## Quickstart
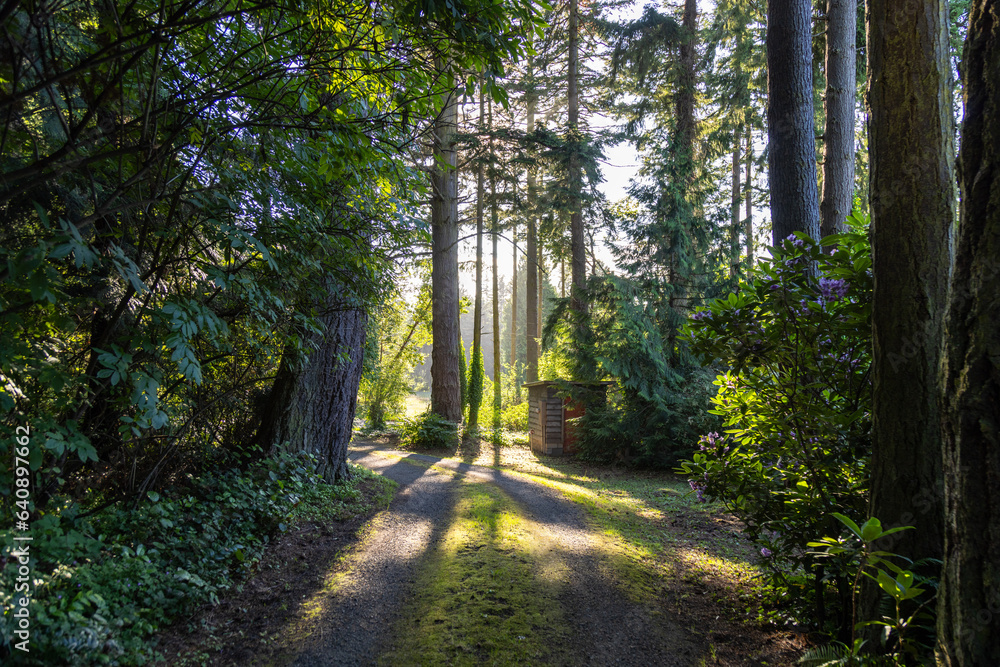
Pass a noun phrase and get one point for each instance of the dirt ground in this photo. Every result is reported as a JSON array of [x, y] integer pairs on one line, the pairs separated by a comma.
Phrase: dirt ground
[[344, 593]]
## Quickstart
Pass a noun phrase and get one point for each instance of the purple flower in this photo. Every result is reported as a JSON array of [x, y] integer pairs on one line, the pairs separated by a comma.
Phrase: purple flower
[[765, 552], [798, 243], [832, 289], [700, 315]]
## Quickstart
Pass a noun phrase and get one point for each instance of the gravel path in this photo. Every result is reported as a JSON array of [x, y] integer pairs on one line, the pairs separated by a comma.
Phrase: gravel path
[[607, 628]]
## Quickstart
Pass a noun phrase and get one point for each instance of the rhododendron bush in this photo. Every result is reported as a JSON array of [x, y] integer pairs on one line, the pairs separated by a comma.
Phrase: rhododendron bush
[[795, 404]]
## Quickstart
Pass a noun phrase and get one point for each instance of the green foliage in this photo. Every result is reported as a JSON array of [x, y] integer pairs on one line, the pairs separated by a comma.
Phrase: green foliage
[[795, 404], [515, 417], [429, 431], [661, 399], [396, 333], [98, 599], [856, 554], [477, 382], [463, 374]]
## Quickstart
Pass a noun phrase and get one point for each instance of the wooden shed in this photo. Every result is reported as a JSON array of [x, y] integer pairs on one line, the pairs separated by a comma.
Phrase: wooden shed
[[548, 432]]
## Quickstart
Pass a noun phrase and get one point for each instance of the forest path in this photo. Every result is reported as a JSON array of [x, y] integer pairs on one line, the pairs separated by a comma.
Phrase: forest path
[[472, 565]]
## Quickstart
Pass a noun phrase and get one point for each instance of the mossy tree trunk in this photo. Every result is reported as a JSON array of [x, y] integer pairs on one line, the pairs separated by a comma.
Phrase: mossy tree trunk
[[311, 406]]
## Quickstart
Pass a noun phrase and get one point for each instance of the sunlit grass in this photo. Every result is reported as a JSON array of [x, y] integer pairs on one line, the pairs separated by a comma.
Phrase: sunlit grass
[[484, 596]]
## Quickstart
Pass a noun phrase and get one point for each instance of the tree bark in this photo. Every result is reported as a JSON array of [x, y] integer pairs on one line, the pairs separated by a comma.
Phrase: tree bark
[[969, 600], [838, 160], [912, 187], [477, 314], [446, 399], [495, 226], [734, 230], [311, 408], [513, 316], [578, 249], [791, 137], [531, 282]]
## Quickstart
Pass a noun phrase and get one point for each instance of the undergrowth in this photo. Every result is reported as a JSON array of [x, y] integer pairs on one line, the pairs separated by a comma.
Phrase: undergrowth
[[104, 584]]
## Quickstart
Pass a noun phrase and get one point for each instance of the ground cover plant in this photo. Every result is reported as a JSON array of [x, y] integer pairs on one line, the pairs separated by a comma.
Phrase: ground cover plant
[[107, 581]]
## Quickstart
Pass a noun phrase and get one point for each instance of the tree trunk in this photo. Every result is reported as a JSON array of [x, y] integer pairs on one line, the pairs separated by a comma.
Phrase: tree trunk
[[969, 601], [531, 282], [734, 249], [311, 408], [687, 83], [477, 314], [578, 249], [838, 160], [791, 138], [513, 317], [749, 198], [912, 188], [446, 399], [495, 226]]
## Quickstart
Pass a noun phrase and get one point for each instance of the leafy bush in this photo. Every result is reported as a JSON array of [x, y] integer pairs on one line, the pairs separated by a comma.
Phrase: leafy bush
[[98, 599], [650, 433], [515, 418], [795, 405], [429, 431]]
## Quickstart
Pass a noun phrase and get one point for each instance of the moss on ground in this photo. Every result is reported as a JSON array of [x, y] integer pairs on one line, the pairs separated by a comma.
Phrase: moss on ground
[[486, 595]]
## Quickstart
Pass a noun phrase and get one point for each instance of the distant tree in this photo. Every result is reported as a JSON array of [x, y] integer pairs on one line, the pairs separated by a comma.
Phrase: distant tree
[[838, 137]]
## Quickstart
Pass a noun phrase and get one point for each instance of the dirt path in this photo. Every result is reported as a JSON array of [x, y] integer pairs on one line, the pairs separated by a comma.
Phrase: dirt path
[[357, 619]]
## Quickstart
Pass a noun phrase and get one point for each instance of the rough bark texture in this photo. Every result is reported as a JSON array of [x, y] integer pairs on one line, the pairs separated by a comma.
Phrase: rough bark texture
[[578, 247], [791, 157], [311, 409], [912, 194], [446, 399], [838, 159], [531, 279], [969, 602]]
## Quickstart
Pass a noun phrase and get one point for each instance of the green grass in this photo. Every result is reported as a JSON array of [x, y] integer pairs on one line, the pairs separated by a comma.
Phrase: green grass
[[482, 597]]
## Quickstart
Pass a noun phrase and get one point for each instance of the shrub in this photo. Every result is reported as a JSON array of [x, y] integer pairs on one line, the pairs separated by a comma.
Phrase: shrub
[[795, 404], [429, 431], [515, 418]]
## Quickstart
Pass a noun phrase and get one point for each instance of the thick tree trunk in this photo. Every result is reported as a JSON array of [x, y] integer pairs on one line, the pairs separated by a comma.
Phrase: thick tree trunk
[[969, 601], [912, 188], [311, 407], [446, 399], [578, 248], [838, 160], [791, 137]]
